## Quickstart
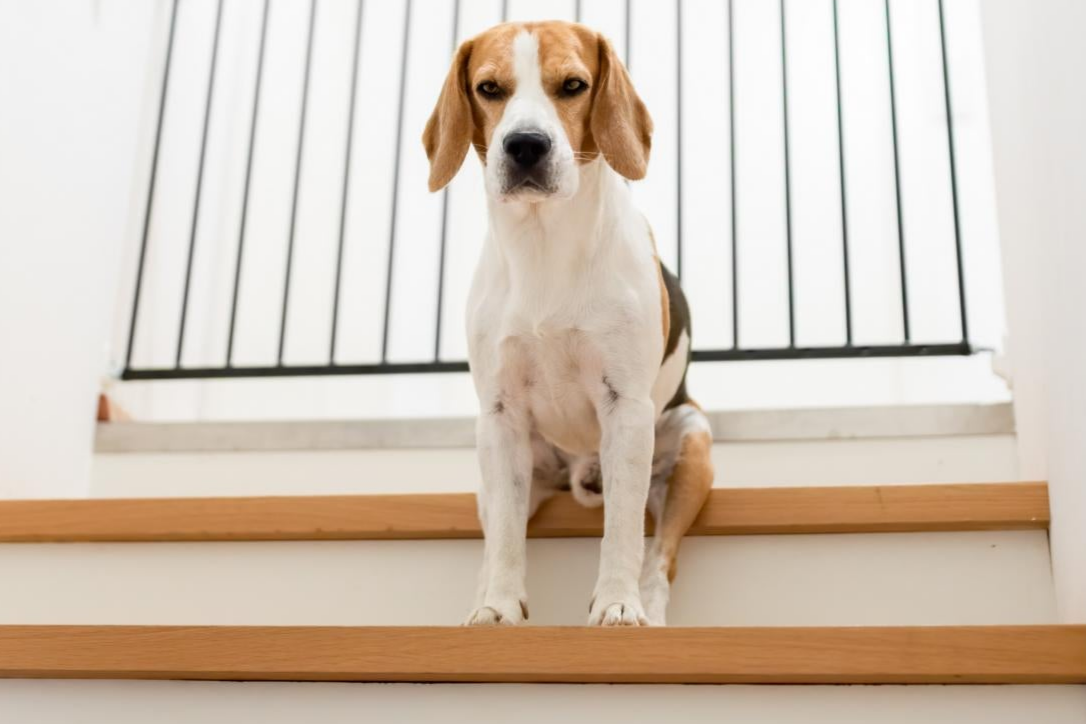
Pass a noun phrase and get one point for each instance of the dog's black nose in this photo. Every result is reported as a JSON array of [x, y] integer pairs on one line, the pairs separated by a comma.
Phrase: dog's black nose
[[526, 148]]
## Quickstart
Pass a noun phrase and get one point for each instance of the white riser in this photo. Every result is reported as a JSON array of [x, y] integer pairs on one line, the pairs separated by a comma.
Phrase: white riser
[[952, 459], [82, 702], [999, 577]]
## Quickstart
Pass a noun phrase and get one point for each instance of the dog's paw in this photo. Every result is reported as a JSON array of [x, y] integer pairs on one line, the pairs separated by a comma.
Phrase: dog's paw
[[610, 612], [654, 597], [499, 614], [655, 592]]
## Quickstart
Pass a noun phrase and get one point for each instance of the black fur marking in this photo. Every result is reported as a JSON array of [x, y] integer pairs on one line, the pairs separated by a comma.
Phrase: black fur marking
[[612, 394], [680, 322], [498, 408]]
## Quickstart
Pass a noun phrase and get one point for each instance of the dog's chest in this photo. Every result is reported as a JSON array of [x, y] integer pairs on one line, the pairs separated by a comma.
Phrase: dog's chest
[[558, 383]]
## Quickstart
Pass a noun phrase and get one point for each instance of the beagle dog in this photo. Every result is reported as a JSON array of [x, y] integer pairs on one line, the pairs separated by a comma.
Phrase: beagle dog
[[578, 337]]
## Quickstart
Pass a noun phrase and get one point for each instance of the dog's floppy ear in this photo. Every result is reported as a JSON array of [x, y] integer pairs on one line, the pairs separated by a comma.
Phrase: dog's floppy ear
[[620, 122], [448, 132]]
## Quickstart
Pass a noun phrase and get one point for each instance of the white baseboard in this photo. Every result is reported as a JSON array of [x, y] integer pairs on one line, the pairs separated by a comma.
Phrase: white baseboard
[[839, 423]]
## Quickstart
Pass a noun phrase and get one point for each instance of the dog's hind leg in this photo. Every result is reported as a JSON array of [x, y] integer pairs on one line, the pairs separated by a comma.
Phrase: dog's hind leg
[[682, 478]]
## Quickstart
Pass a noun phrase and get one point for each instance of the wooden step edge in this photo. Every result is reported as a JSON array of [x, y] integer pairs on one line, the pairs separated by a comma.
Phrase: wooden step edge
[[734, 511], [896, 655]]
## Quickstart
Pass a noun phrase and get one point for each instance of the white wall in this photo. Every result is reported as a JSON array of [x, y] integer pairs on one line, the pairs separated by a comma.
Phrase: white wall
[[893, 460], [1036, 59], [73, 88], [184, 702], [877, 579]]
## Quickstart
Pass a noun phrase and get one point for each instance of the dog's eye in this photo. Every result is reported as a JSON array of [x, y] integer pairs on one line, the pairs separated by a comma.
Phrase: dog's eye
[[573, 86], [490, 89]]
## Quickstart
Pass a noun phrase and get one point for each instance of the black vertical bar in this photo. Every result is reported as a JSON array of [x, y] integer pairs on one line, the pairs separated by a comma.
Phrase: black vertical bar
[[897, 177], [731, 141], [505, 10], [445, 218], [199, 184], [396, 178], [679, 139], [953, 175], [577, 11], [151, 189], [787, 181], [245, 191], [346, 180], [297, 178], [841, 173]]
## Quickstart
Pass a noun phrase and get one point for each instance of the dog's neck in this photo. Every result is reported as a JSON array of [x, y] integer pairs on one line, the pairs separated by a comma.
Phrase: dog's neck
[[558, 238]]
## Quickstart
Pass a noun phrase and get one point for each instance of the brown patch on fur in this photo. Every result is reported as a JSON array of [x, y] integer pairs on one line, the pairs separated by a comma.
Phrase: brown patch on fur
[[566, 51], [608, 118], [665, 311], [621, 125], [449, 130], [687, 489], [665, 315], [679, 317], [491, 61]]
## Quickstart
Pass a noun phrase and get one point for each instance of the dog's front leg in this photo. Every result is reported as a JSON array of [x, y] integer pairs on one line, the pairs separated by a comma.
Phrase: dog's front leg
[[626, 459], [505, 459]]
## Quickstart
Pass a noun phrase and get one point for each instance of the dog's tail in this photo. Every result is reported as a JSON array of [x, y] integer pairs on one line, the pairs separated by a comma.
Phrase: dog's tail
[[585, 481]]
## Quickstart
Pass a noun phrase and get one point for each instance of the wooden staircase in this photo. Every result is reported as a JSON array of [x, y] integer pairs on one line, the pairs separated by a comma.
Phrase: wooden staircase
[[1012, 654]]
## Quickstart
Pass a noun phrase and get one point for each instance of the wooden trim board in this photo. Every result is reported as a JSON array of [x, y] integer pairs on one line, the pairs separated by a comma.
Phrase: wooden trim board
[[902, 655], [734, 511]]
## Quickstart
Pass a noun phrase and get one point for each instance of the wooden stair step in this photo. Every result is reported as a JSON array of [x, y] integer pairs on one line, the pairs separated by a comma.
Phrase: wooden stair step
[[734, 511], [894, 655]]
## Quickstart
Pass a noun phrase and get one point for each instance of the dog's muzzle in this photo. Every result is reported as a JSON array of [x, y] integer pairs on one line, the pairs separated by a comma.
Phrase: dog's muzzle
[[528, 162]]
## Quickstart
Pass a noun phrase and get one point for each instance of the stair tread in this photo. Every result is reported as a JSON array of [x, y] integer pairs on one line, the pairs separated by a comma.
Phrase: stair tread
[[729, 511], [816, 655]]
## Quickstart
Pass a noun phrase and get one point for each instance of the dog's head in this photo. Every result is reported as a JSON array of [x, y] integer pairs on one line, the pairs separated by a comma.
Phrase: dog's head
[[537, 100]]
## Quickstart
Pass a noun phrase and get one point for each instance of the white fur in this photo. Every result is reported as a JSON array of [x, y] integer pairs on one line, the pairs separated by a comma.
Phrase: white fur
[[564, 335]]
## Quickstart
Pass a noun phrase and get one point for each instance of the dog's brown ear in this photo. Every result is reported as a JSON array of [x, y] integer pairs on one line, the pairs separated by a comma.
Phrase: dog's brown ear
[[448, 132], [620, 122]]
